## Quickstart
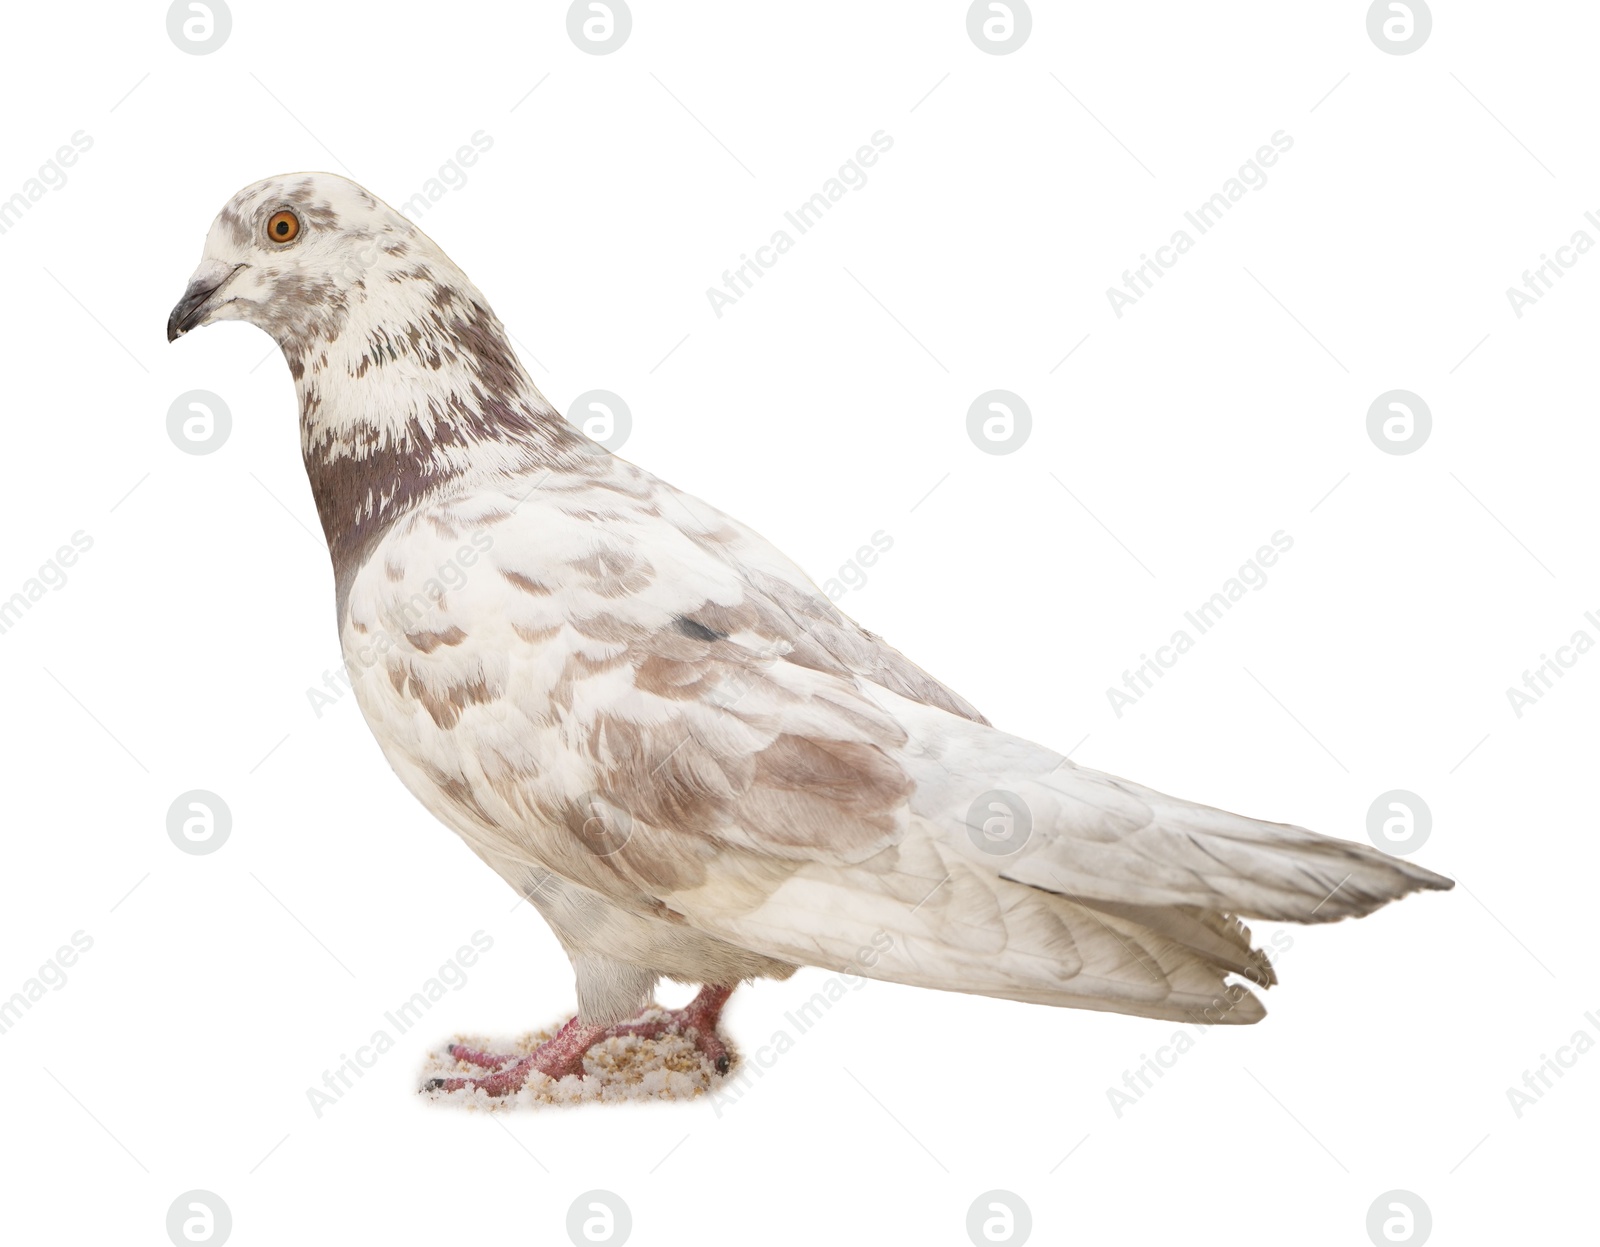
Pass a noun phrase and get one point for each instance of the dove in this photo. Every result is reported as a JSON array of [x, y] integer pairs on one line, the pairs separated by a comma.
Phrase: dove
[[655, 728]]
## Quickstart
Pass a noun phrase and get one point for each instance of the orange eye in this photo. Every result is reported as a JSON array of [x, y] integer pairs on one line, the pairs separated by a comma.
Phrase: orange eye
[[283, 227]]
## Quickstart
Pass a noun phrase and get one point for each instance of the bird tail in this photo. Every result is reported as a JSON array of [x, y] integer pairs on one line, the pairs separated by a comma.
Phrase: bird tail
[[1149, 850], [1171, 895], [1023, 876]]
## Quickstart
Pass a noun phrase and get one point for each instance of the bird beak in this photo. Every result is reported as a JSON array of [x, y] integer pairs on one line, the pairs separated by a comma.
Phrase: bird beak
[[198, 300]]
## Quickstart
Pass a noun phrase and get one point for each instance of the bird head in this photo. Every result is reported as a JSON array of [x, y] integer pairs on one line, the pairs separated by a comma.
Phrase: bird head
[[405, 376], [297, 254]]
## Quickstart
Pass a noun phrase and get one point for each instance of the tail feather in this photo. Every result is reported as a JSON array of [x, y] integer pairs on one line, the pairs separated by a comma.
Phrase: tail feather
[[1021, 875], [1218, 938], [1064, 951], [1108, 840]]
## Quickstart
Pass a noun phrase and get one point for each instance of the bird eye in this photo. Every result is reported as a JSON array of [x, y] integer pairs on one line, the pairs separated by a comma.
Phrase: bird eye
[[283, 227]]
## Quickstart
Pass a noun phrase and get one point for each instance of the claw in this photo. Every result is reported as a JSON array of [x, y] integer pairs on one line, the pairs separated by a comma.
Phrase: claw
[[562, 1055], [504, 1082], [555, 1058], [483, 1060], [696, 1022]]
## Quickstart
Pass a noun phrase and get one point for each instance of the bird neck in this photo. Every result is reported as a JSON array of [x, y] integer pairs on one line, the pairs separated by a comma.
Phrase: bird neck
[[395, 414]]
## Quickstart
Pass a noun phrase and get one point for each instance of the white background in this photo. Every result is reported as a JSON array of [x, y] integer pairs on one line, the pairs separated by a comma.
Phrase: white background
[[1223, 407]]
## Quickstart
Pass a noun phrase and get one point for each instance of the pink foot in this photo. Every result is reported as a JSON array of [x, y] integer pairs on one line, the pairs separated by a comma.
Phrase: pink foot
[[563, 1054], [697, 1020], [554, 1058]]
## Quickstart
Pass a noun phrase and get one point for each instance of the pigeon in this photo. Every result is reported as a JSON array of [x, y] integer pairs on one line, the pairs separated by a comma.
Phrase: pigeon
[[653, 726]]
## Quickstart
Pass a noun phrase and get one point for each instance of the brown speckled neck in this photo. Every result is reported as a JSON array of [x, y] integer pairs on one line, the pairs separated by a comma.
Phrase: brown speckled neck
[[366, 474]]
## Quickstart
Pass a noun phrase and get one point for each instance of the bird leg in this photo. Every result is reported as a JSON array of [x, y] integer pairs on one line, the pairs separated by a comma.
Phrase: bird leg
[[697, 1020], [554, 1058], [563, 1054]]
